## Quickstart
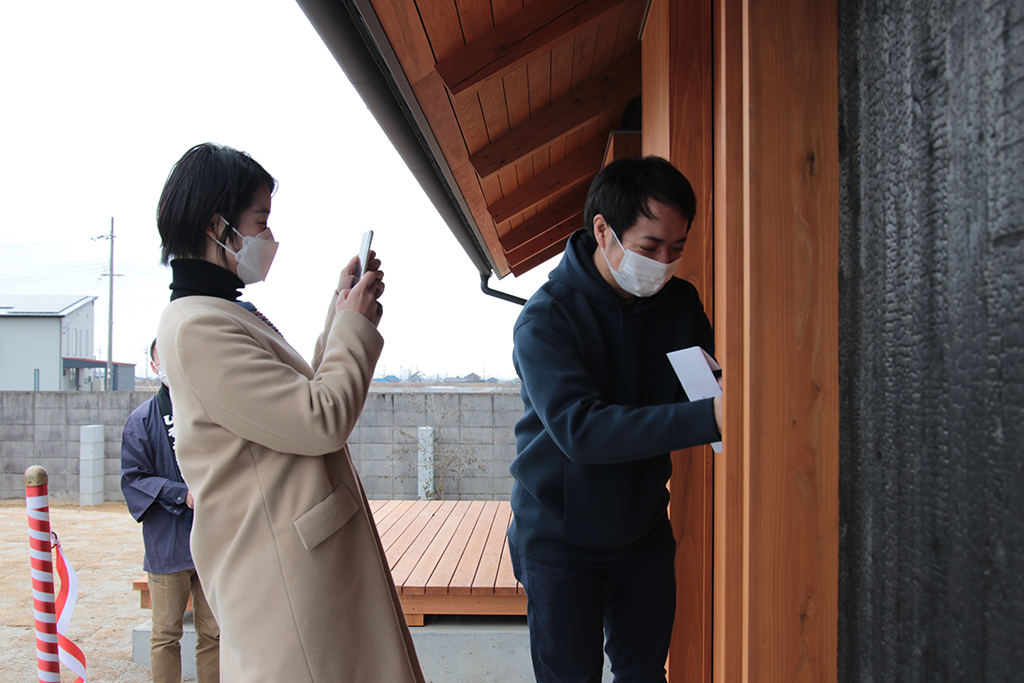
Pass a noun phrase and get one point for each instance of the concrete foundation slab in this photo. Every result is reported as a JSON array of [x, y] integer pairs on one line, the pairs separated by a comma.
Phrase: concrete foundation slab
[[451, 649]]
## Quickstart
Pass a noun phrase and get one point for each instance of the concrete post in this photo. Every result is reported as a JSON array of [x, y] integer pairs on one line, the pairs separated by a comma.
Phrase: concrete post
[[426, 461], [90, 465]]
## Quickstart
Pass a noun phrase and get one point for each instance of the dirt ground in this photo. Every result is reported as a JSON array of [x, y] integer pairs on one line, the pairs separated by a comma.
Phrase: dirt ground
[[104, 544]]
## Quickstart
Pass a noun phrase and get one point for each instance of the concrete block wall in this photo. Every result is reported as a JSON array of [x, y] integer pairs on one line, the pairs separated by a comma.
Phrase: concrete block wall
[[42, 428], [473, 431], [474, 442]]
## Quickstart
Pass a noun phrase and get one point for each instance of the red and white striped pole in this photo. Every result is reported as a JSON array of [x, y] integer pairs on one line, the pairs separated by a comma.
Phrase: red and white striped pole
[[37, 503]]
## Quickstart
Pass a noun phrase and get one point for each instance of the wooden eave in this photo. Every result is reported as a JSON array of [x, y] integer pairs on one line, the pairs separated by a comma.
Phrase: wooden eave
[[514, 102]]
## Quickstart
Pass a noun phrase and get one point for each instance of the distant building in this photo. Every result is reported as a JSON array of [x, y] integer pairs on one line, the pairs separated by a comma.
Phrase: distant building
[[46, 344]]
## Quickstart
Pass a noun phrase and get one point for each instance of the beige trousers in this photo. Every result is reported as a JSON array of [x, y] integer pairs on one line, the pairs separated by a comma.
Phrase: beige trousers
[[169, 594]]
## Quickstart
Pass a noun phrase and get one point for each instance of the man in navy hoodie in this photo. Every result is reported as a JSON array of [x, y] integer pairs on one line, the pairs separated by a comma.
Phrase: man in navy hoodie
[[590, 540]]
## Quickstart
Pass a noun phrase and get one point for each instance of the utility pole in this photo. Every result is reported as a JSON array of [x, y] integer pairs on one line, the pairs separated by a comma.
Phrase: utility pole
[[108, 384], [110, 315]]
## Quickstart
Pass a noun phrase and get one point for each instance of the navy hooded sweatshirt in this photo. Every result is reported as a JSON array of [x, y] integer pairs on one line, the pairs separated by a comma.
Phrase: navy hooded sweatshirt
[[603, 411]]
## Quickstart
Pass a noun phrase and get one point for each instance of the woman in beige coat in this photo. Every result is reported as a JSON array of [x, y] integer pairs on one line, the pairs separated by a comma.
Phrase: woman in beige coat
[[283, 540]]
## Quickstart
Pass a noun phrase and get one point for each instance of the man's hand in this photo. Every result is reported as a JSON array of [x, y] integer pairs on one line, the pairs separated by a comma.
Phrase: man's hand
[[189, 500], [362, 297]]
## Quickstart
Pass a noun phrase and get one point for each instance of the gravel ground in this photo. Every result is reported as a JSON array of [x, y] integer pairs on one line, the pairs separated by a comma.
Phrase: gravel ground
[[104, 544]]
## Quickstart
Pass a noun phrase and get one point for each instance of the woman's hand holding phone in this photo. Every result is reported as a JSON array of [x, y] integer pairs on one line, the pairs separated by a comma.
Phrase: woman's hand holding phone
[[362, 297]]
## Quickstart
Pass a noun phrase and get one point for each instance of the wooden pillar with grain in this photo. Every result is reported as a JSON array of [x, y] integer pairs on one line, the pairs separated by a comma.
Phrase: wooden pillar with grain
[[677, 125], [776, 171]]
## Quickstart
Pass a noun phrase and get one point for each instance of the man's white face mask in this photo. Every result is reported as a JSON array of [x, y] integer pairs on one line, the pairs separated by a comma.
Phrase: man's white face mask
[[255, 256], [637, 274], [161, 374]]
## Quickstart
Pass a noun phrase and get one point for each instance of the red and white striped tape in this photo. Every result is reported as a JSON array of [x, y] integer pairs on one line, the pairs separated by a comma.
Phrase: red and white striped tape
[[51, 616], [71, 655]]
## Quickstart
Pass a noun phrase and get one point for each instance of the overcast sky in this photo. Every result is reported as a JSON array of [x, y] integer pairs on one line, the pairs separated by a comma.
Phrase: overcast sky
[[100, 99]]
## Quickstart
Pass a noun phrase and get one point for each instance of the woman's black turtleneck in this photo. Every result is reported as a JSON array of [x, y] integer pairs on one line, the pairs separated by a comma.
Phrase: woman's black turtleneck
[[195, 277]]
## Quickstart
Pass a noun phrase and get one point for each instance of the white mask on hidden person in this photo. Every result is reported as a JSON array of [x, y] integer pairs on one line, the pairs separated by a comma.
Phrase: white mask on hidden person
[[161, 374], [637, 274], [255, 256]]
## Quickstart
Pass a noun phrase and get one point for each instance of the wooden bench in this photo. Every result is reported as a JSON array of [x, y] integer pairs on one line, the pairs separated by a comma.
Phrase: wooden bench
[[446, 557]]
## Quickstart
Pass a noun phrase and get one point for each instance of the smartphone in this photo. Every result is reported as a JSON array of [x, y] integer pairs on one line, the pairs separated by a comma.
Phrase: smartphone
[[364, 254]]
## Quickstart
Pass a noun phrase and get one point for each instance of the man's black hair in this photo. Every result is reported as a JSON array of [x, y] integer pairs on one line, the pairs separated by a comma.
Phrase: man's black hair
[[623, 190], [209, 179], [152, 348]]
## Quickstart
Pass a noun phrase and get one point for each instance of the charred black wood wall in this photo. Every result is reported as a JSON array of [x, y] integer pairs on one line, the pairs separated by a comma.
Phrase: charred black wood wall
[[931, 340]]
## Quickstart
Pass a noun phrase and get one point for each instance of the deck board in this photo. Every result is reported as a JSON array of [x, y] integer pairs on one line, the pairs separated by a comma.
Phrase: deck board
[[462, 580], [450, 557], [441, 577], [487, 572], [424, 539], [416, 582], [446, 557]]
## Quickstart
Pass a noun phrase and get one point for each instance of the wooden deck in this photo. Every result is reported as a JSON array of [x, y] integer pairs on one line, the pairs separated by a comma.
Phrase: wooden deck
[[447, 557]]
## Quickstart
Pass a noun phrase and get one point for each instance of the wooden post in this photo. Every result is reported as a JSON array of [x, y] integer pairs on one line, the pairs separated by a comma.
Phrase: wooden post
[[776, 237], [677, 111]]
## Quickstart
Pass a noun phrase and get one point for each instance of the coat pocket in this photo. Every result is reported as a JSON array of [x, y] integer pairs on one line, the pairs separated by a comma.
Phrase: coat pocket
[[323, 519]]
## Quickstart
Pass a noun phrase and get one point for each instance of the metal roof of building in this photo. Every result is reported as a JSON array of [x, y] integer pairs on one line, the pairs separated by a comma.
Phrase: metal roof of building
[[42, 305]]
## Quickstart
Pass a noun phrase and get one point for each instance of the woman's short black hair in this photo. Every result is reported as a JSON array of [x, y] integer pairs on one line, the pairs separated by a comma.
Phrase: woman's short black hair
[[209, 179], [624, 188]]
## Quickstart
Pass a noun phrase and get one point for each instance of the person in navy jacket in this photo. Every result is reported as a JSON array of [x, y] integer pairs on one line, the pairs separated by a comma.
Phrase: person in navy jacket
[[157, 497], [590, 539]]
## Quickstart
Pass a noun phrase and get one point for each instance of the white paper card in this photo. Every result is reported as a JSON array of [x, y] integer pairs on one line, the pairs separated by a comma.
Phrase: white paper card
[[696, 372]]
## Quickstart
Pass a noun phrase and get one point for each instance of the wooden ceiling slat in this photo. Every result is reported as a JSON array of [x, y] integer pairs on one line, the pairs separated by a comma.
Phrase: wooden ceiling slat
[[556, 234], [533, 30], [494, 109], [517, 96], [524, 173], [561, 71], [400, 19], [476, 20], [604, 48], [581, 164], [508, 180], [440, 19], [554, 248], [541, 161], [538, 73], [628, 38], [491, 187], [471, 121], [504, 9], [560, 210], [574, 140], [607, 91], [584, 47]]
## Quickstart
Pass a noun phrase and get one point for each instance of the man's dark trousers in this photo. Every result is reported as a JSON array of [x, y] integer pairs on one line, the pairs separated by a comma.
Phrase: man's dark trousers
[[573, 609]]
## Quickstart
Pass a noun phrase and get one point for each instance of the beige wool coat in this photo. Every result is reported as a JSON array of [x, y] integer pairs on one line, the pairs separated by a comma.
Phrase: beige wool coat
[[283, 540]]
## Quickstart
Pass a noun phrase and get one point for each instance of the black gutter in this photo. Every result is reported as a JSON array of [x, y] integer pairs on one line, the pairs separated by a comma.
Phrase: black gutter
[[343, 30], [504, 296]]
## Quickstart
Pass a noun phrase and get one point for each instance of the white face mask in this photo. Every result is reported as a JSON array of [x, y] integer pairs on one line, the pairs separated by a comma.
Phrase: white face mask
[[161, 374], [637, 274], [255, 256]]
